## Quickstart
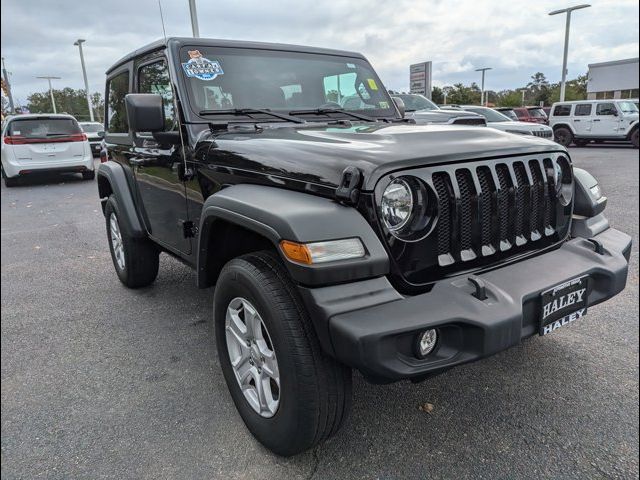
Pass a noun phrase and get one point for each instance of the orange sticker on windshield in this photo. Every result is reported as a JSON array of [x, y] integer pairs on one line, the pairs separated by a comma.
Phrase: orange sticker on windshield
[[372, 84]]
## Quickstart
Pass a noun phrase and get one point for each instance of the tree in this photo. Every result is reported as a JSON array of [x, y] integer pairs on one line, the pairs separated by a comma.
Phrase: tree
[[462, 95], [68, 100], [539, 89], [509, 98], [437, 95]]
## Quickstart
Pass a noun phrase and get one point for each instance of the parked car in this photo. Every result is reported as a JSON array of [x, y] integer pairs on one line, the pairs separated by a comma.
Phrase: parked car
[[339, 239], [424, 111], [94, 132], [500, 121], [531, 114], [38, 143], [508, 112], [583, 121]]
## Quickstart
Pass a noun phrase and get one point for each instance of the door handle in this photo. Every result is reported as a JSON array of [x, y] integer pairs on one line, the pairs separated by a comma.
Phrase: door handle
[[596, 119], [576, 120]]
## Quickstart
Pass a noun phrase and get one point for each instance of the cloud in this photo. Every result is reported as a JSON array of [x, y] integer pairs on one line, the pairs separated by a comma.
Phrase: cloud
[[516, 38]]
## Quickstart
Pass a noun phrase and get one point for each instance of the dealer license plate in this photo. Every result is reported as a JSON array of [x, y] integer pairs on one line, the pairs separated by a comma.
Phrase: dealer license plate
[[564, 304]]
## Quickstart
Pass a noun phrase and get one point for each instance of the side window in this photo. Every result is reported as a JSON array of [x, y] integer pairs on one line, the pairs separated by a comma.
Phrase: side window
[[583, 109], [154, 78], [562, 111], [116, 112], [605, 109]]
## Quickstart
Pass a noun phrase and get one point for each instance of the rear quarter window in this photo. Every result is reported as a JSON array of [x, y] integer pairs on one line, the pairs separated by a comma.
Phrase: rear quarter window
[[562, 110]]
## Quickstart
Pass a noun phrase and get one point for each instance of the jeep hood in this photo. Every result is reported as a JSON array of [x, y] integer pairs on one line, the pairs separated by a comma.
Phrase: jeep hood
[[319, 153]]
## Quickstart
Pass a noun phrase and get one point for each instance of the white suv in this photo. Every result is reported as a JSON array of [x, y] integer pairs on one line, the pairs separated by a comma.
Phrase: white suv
[[44, 143], [598, 120]]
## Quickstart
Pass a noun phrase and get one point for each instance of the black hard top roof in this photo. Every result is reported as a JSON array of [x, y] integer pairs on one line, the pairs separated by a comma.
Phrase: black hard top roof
[[212, 42]]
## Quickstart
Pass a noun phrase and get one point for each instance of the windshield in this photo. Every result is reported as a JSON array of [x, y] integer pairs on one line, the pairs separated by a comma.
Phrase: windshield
[[489, 114], [43, 127], [417, 102], [221, 78], [92, 127], [537, 113], [509, 113], [628, 107]]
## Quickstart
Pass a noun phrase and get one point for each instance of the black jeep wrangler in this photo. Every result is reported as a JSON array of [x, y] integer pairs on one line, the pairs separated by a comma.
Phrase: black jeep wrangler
[[339, 238]]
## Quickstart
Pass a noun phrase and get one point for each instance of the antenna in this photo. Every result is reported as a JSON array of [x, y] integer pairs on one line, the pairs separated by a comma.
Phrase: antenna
[[164, 32]]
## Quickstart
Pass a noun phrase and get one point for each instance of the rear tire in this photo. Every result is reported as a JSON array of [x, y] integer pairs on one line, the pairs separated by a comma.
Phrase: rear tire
[[563, 136], [635, 138], [89, 175], [314, 392], [136, 260], [581, 143], [10, 182]]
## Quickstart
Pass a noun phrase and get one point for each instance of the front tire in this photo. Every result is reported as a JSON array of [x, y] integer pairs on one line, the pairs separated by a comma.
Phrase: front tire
[[563, 136], [89, 175], [136, 260], [311, 396], [635, 138]]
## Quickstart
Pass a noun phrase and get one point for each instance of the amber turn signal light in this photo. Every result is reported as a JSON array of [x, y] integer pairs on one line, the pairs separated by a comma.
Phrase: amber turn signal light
[[296, 252]]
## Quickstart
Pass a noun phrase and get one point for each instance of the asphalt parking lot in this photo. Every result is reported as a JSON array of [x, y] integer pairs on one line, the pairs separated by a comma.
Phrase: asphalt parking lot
[[100, 381]]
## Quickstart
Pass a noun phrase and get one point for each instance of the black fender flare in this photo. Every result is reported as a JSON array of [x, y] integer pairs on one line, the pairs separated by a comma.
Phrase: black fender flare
[[278, 214], [115, 175], [564, 125]]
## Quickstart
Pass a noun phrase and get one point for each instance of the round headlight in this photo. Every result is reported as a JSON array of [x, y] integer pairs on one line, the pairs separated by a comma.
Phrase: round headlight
[[563, 181], [397, 204]]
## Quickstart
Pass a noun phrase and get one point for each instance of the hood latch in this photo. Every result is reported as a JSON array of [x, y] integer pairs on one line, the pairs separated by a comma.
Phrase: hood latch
[[349, 189]]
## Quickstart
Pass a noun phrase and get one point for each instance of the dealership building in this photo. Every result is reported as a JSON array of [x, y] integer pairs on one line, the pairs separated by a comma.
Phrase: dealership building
[[617, 79]]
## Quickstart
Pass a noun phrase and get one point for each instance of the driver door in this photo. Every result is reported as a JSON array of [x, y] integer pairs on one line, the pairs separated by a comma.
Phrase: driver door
[[159, 169]]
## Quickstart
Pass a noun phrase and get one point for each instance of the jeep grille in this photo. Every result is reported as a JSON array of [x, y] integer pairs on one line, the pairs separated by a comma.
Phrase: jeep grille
[[544, 133], [488, 211]]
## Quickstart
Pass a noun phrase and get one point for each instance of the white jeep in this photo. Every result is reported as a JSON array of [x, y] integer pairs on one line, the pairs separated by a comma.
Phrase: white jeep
[[583, 121]]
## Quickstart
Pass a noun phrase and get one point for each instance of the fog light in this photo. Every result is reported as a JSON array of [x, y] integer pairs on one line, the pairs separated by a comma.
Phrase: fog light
[[427, 342]]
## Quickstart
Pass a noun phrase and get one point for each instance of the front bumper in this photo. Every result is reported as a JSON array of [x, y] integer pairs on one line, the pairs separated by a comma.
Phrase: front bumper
[[369, 326]]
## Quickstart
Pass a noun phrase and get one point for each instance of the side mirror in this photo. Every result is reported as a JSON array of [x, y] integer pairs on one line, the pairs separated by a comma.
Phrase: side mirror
[[145, 112], [100, 134], [399, 105]]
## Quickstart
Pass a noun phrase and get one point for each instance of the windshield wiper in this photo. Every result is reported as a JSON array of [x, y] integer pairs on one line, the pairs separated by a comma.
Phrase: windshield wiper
[[249, 111], [324, 111]]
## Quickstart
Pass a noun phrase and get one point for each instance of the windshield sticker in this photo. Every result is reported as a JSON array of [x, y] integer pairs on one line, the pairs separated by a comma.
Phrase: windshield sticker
[[383, 104], [200, 67], [351, 65], [372, 84]]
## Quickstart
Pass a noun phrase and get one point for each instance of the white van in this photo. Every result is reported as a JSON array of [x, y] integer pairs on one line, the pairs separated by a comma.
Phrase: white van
[[583, 121], [44, 143]]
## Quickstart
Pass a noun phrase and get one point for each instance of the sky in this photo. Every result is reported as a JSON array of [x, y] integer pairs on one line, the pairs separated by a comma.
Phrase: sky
[[516, 38]]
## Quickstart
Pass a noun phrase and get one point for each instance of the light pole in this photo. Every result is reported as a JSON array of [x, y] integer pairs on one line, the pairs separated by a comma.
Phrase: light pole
[[484, 69], [49, 78], [8, 87], [194, 19], [566, 43], [523, 90], [78, 43]]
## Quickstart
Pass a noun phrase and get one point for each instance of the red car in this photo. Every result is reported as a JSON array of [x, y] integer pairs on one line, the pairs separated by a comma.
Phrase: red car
[[531, 114]]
